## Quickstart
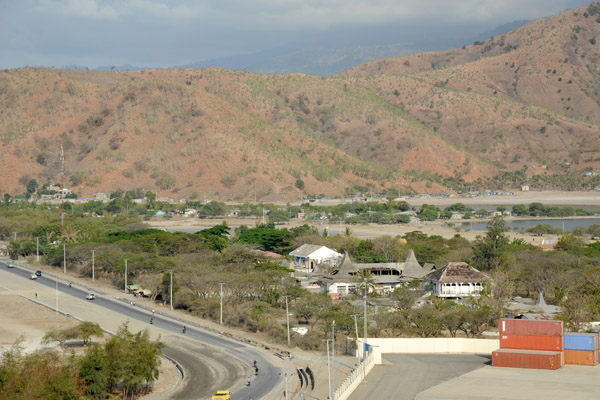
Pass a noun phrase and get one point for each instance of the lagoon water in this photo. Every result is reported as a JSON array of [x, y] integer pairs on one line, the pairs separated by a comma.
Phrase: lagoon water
[[568, 224]]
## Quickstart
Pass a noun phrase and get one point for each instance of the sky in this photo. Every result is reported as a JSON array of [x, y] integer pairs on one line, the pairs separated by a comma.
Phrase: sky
[[164, 33]]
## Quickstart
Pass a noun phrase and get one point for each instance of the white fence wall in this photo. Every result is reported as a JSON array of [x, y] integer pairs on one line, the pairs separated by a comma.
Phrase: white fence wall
[[355, 378], [434, 345]]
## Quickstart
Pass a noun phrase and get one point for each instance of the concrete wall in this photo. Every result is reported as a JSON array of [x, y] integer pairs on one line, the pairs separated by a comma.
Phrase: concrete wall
[[433, 345]]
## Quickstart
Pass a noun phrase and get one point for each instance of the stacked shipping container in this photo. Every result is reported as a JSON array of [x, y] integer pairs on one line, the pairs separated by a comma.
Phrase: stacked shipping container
[[530, 344], [581, 348]]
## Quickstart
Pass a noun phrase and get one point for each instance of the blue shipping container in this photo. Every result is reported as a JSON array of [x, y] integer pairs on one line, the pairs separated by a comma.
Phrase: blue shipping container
[[581, 341]]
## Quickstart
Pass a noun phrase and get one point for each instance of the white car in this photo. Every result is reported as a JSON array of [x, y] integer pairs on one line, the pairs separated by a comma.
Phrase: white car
[[90, 296], [33, 276]]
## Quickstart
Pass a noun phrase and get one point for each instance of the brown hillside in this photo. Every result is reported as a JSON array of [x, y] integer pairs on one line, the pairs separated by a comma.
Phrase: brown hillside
[[529, 97]]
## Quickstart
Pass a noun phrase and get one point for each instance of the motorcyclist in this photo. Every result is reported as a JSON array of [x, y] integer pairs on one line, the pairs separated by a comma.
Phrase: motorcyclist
[[248, 381], [184, 329], [151, 321]]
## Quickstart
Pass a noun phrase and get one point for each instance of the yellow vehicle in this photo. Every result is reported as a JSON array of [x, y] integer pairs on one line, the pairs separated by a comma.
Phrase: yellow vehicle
[[222, 395]]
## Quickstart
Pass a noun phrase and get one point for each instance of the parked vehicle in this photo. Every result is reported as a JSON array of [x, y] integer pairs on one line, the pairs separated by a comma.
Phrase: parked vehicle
[[33, 276], [90, 296]]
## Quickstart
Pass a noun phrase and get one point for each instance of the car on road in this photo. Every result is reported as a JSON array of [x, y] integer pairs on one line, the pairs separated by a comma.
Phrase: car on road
[[222, 395], [38, 273], [90, 296], [10, 265], [33, 276]]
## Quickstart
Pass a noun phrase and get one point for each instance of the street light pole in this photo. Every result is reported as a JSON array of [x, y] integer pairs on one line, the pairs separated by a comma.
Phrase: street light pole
[[328, 366], [221, 284], [171, 289], [364, 349], [37, 249], [125, 275], [64, 258], [287, 316], [333, 360], [93, 266], [355, 316]]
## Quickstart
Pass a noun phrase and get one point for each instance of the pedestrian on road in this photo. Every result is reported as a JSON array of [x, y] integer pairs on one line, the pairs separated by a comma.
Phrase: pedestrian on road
[[36, 295]]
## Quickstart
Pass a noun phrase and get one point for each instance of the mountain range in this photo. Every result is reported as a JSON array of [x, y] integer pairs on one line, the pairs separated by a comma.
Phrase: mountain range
[[527, 100]]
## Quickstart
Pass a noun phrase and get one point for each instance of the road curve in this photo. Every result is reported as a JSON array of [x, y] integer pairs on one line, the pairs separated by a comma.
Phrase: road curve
[[203, 366]]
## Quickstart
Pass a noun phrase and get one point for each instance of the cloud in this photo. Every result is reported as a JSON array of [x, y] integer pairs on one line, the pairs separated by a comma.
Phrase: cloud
[[77, 8], [303, 14]]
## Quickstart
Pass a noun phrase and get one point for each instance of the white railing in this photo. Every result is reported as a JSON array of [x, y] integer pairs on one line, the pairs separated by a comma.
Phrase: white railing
[[353, 380]]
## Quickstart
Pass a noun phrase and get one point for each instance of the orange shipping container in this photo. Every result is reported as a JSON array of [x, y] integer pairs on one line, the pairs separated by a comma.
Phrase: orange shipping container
[[532, 342], [581, 357], [527, 359], [530, 327]]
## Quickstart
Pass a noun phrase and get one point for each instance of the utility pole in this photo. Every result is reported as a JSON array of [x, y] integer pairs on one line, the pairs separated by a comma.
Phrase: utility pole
[[37, 249], [328, 366], [287, 317], [125, 275], [333, 360], [355, 316], [56, 283], [221, 284], [171, 289], [364, 350], [62, 193], [93, 266], [64, 258]]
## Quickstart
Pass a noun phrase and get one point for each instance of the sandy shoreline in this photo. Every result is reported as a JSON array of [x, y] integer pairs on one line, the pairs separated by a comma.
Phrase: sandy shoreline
[[445, 228], [588, 199]]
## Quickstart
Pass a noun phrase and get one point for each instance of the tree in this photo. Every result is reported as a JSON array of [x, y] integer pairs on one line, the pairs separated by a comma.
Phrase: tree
[[453, 319], [519, 209], [132, 360], [425, 321], [429, 212], [542, 229], [476, 319], [571, 244], [60, 335], [87, 329], [488, 251], [93, 371], [32, 186]]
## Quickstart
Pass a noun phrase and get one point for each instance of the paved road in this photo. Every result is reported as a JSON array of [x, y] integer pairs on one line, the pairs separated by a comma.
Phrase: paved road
[[222, 371], [403, 376]]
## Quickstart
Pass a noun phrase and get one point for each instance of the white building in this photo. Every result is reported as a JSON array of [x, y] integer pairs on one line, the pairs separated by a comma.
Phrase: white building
[[385, 276], [308, 256], [455, 280]]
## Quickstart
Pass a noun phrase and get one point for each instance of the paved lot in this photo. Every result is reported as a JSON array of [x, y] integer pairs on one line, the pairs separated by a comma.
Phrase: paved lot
[[570, 382], [470, 377], [402, 376]]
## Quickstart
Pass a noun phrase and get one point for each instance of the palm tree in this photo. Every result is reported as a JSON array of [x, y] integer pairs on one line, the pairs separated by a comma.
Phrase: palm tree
[[365, 277]]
